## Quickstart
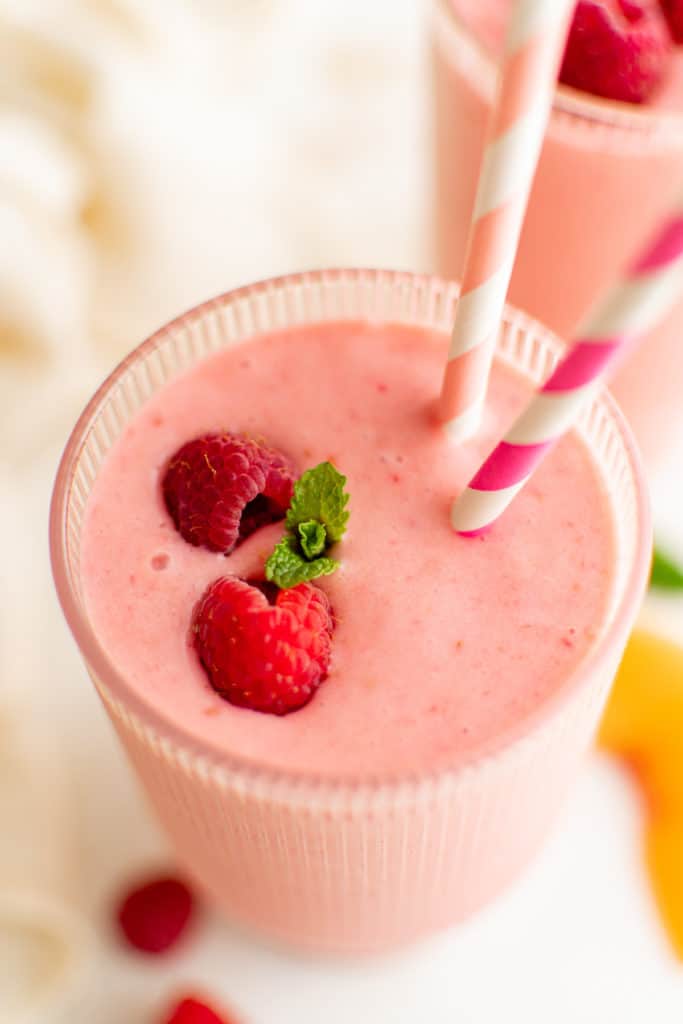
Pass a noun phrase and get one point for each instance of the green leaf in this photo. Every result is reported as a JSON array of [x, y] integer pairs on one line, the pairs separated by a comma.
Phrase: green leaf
[[319, 495], [666, 575], [315, 520], [312, 538], [286, 567]]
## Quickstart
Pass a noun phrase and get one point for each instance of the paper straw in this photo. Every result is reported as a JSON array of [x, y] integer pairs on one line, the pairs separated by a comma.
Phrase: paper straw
[[630, 310], [533, 49]]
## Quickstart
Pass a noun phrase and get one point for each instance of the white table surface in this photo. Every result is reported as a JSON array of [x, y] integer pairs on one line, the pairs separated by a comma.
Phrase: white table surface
[[295, 134]]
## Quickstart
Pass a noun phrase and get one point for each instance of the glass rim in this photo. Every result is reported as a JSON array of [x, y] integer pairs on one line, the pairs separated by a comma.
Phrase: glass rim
[[212, 755], [574, 105]]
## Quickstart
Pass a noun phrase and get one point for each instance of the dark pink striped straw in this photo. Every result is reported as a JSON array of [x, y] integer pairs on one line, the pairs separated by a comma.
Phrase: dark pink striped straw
[[629, 310]]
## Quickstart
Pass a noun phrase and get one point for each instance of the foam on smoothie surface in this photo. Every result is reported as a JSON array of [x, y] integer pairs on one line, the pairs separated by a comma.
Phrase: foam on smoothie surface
[[444, 645]]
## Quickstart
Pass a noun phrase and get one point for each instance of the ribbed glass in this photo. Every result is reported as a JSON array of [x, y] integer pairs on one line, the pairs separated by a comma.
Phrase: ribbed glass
[[330, 864]]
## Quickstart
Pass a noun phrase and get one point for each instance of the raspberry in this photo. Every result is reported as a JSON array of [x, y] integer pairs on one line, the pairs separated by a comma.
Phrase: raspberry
[[263, 656], [154, 915], [617, 49], [220, 488], [193, 1011], [673, 10]]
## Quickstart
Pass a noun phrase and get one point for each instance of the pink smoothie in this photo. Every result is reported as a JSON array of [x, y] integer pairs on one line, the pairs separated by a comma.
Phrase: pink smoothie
[[607, 172], [446, 648]]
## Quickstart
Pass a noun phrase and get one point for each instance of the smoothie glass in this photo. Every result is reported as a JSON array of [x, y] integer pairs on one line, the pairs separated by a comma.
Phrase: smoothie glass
[[338, 864], [607, 174]]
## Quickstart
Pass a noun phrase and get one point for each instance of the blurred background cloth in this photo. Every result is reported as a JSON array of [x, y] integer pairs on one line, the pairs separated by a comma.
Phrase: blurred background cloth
[[156, 152], [153, 153]]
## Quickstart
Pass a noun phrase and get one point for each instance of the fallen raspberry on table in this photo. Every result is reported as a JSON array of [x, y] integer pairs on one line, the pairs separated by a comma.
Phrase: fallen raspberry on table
[[673, 10], [618, 49], [154, 915], [263, 656], [220, 488], [193, 1011]]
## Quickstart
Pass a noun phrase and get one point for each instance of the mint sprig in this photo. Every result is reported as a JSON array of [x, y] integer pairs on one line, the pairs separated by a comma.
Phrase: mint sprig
[[312, 538], [287, 566], [316, 519], [319, 495]]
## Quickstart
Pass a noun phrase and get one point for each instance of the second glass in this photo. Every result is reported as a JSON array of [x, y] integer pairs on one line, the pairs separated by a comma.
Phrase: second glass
[[607, 173]]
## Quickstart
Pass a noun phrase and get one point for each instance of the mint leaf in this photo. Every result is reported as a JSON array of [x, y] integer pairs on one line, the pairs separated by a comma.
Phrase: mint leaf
[[319, 495], [315, 520], [312, 538], [286, 567], [666, 575]]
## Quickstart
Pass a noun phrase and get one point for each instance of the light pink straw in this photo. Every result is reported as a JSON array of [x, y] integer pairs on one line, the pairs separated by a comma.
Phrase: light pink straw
[[630, 309], [533, 50]]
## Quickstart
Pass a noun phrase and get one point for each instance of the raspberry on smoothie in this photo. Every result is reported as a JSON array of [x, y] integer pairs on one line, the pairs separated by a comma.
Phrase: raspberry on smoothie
[[261, 655], [619, 49], [220, 488]]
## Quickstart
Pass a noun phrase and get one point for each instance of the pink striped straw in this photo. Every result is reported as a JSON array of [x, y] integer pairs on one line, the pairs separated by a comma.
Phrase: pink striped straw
[[533, 49], [631, 308]]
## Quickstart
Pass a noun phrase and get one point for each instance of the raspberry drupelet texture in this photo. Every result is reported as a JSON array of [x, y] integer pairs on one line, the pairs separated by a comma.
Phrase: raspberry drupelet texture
[[220, 488], [618, 49], [263, 656]]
